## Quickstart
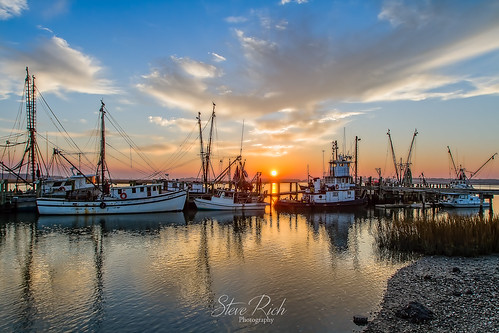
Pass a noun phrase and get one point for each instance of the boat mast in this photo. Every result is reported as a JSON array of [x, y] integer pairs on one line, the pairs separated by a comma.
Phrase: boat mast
[[357, 139], [334, 157], [393, 155], [480, 168], [31, 125], [208, 148], [202, 152], [406, 174], [102, 155], [452, 159]]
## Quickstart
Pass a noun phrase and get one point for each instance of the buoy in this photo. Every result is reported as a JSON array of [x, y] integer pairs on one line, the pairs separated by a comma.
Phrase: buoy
[[123, 195]]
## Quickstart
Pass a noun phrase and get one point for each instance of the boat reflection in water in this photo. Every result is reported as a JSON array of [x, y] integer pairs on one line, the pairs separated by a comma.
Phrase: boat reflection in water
[[130, 222], [174, 272]]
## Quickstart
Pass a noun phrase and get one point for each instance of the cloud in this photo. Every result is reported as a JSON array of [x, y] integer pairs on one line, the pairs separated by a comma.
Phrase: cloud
[[217, 57], [185, 125], [44, 28], [287, 82], [412, 14], [58, 67], [236, 19], [56, 8], [283, 2], [11, 8]]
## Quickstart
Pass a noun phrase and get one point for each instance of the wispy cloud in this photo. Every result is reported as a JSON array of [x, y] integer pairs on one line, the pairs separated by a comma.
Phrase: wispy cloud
[[11, 8], [285, 79], [185, 125], [236, 19], [217, 57], [283, 2], [59, 68]]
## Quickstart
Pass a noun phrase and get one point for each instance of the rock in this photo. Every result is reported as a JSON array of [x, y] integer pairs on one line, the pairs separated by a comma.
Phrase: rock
[[415, 312], [360, 320], [456, 270]]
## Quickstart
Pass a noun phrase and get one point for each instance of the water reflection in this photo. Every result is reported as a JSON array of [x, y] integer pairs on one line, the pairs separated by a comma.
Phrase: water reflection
[[154, 271], [132, 222]]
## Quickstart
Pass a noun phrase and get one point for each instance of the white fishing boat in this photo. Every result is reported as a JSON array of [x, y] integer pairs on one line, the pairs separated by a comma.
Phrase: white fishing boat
[[461, 195], [463, 200], [335, 190], [59, 187], [147, 198], [142, 198], [231, 200]]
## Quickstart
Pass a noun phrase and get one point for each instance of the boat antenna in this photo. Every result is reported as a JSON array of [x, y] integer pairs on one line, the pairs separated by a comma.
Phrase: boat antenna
[[242, 135]]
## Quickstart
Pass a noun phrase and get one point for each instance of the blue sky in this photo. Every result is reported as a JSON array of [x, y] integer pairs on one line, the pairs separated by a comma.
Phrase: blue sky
[[298, 73]]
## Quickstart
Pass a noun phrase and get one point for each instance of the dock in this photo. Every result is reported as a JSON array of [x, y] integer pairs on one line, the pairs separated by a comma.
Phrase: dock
[[429, 194]]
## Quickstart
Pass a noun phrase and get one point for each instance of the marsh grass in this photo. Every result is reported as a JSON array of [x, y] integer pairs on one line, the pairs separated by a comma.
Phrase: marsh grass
[[451, 236]]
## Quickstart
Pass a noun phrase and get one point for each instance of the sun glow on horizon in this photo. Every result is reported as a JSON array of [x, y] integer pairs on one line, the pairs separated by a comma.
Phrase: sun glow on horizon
[[273, 173]]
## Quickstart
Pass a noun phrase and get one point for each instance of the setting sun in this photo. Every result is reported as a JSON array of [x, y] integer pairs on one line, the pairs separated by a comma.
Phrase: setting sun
[[273, 173]]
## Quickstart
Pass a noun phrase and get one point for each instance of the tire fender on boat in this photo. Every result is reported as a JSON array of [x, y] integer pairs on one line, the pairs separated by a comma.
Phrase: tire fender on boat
[[123, 195], [102, 205]]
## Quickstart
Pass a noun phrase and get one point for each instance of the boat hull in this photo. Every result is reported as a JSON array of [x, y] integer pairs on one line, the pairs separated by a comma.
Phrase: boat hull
[[205, 204], [463, 205], [303, 205], [165, 202]]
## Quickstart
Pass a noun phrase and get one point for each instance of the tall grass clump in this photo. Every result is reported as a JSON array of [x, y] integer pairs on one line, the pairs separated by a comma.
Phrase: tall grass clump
[[451, 236]]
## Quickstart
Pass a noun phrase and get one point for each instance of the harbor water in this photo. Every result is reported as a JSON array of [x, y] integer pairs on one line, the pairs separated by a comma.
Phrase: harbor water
[[192, 272]]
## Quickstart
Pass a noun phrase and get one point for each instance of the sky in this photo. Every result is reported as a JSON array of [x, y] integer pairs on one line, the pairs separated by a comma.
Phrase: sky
[[288, 78]]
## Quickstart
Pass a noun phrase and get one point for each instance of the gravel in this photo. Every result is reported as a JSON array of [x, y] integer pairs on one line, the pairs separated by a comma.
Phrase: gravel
[[461, 293]]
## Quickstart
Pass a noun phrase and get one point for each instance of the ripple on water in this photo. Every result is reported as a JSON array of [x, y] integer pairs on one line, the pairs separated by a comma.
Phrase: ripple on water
[[92, 275]]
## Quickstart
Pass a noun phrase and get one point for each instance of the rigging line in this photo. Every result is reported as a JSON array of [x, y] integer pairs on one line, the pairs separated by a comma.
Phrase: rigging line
[[89, 165], [181, 150], [177, 158], [178, 154], [68, 138], [128, 139], [183, 164], [121, 161]]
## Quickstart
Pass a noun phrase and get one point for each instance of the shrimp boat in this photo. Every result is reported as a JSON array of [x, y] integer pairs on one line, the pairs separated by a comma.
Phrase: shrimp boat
[[332, 191], [461, 196], [107, 199], [245, 196], [231, 200]]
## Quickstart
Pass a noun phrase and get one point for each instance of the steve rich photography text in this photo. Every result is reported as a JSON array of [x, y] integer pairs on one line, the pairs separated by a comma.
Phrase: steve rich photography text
[[258, 310]]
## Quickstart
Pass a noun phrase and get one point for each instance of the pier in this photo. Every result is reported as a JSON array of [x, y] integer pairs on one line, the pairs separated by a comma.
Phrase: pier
[[429, 194]]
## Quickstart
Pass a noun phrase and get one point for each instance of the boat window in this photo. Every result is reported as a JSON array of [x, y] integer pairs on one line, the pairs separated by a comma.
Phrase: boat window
[[154, 188], [141, 189], [119, 191], [134, 190], [57, 184]]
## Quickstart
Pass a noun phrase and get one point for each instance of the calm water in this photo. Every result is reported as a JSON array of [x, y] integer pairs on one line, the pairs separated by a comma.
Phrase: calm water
[[203, 271]]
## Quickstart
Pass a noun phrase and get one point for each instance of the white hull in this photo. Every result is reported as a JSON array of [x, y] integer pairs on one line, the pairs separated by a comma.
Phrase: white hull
[[227, 204], [165, 202], [464, 205], [464, 201]]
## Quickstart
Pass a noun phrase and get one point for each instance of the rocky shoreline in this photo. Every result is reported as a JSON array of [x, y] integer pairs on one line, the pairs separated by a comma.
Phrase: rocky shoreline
[[441, 294]]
